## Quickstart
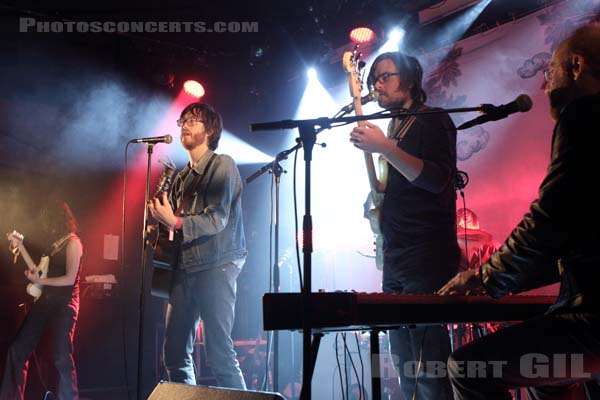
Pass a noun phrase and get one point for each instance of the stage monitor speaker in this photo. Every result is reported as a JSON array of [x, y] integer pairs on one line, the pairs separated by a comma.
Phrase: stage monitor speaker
[[179, 391]]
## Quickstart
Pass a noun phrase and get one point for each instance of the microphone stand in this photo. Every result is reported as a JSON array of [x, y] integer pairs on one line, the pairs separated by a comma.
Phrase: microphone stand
[[308, 135], [143, 279], [277, 170]]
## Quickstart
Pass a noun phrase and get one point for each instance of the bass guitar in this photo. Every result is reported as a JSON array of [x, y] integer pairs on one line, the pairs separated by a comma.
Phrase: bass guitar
[[17, 247], [353, 67]]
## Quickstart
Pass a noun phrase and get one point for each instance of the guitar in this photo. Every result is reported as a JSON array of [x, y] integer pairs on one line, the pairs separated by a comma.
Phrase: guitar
[[16, 247], [353, 67], [164, 244]]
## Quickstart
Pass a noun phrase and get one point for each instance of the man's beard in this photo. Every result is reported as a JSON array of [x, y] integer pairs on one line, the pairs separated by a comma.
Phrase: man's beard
[[559, 98], [392, 104]]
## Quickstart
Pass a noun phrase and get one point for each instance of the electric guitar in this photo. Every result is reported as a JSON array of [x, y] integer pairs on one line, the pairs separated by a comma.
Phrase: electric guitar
[[353, 67], [162, 240], [16, 247]]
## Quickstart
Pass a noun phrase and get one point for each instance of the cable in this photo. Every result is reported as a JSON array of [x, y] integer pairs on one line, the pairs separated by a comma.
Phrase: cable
[[296, 222], [122, 287], [462, 180], [347, 351], [419, 364], [465, 229], [362, 367], [49, 395], [271, 222], [265, 382], [337, 360], [263, 385]]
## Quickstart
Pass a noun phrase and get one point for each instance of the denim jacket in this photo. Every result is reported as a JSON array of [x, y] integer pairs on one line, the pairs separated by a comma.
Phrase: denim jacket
[[212, 229]]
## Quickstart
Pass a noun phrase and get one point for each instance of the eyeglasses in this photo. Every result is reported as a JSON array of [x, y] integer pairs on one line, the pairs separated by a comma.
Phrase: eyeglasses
[[383, 78], [189, 121]]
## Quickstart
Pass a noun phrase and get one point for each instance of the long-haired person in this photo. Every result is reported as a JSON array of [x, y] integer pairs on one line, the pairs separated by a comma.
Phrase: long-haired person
[[55, 310]]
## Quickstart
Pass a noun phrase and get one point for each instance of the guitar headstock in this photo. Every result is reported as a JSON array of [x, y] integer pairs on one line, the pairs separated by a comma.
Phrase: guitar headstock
[[166, 177], [14, 235], [353, 67], [15, 238]]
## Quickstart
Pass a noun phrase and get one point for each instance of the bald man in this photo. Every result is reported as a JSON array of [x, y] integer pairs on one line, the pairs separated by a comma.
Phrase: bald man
[[558, 240]]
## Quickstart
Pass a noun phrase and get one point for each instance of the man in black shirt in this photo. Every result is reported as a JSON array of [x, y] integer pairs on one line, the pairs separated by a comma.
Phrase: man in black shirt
[[418, 215], [554, 241]]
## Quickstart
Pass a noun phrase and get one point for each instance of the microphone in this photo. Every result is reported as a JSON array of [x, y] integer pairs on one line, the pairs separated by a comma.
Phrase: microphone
[[373, 95], [153, 140], [491, 112]]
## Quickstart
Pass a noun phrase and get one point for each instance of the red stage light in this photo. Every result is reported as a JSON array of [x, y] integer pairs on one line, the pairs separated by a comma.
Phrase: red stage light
[[362, 35], [194, 88]]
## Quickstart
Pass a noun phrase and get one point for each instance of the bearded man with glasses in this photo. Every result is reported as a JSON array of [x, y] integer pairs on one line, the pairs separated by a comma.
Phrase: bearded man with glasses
[[418, 216], [212, 251]]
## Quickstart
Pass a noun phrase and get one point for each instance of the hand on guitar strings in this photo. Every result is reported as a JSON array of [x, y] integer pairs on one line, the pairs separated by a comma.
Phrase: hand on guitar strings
[[161, 210], [369, 138], [466, 282], [32, 275]]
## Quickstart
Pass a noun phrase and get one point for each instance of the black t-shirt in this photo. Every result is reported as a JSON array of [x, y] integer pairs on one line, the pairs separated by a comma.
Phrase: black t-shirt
[[57, 267], [424, 209], [419, 217]]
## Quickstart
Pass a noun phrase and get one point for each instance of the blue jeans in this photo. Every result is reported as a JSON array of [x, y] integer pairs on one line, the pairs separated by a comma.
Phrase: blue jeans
[[209, 295]]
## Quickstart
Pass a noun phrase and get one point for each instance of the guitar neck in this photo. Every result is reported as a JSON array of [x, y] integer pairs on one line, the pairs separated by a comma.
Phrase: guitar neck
[[27, 258], [371, 173]]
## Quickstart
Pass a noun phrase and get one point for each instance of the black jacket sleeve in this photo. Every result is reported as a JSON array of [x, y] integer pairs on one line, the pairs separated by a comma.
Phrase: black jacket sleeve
[[556, 221]]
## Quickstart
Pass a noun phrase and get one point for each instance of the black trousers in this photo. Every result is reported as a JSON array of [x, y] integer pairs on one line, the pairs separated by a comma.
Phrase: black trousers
[[419, 353], [549, 355], [47, 312]]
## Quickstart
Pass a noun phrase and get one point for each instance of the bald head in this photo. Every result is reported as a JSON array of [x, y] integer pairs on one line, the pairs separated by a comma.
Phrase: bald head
[[584, 42], [574, 68]]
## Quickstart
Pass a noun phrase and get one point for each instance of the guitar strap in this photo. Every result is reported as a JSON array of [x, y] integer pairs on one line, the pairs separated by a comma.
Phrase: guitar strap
[[190, 189], [59, 244], [398, 128]]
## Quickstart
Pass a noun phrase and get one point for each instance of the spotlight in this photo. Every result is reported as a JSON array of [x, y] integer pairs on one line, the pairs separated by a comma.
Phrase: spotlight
[[362, 35], [397, 34], [312, 73], [194, 88], [394, 39]]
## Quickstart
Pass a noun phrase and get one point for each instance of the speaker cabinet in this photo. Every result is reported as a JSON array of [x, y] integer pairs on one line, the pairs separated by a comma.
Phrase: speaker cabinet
[[179, 391]]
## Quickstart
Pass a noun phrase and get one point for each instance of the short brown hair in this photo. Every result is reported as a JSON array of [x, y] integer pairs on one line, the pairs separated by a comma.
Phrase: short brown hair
[[212, 121]]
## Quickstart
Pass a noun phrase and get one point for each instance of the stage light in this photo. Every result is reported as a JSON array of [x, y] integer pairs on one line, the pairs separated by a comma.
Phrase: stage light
[[362, 35], [457, 27], [393, 43], [312, 73], [396, 35], [194, 88]]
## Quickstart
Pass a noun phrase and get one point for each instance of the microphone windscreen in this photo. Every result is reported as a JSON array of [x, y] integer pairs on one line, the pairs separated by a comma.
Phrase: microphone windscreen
[[524, 103], [168, 139]]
